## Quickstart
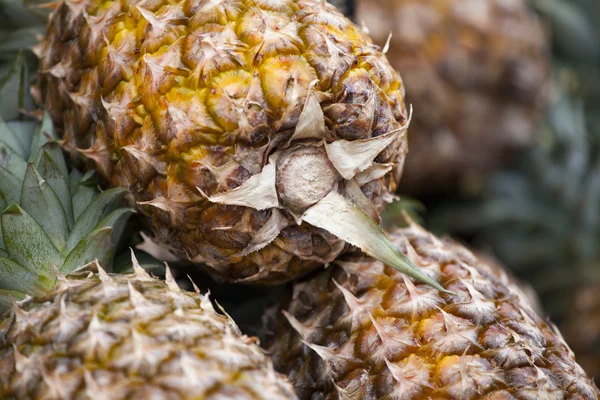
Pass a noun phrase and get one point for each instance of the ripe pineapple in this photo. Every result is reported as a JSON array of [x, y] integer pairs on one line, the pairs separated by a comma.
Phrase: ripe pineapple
[[104, 336], [91, 334], [360, 330], [256, 136], [476, 72]]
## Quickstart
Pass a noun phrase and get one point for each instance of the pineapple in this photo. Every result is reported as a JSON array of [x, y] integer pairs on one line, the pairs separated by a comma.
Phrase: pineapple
[[360, 330], [476, 72], [104, 336], [257, 137], [91, 334]]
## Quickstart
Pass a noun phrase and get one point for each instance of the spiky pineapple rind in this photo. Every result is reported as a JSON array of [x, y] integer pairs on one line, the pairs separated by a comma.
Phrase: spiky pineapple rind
[[193, 107], [129, 336], [362, 331]]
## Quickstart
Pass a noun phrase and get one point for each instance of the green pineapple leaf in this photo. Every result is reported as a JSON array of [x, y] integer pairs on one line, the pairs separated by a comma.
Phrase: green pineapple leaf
[[19, 13], [55, 220], [84, 190], [97, 245], [8, 296], [22, 131], [98, 209], [44, 134], [53, 175], [123, 265], [14, 276], [14, 87], [10, 160], [41, 202], [10, 187], [13, 41], [8, 139], [27, 243], [117, 220]]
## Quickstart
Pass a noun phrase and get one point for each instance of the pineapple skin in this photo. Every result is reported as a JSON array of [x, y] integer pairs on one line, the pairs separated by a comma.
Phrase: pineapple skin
[[361, 330], [477, 73], [129, 337], [167, 99]]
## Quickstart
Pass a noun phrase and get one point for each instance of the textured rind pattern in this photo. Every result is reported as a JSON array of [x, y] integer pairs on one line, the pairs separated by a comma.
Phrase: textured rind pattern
[[129, 337], [477, 74], [165, 98], [362, 330]]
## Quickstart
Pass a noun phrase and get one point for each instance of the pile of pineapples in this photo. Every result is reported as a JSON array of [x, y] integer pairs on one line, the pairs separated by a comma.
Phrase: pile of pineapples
[[258, 141]]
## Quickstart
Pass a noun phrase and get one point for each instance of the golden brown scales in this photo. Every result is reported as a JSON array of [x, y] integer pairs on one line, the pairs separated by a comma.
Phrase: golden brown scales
[[100, 336], [182, 103], [360, 330]]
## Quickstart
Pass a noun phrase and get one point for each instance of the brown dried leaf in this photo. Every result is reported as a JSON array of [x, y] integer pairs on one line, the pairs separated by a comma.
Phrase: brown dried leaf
[[267, 233], [352, 157], [258, 191]]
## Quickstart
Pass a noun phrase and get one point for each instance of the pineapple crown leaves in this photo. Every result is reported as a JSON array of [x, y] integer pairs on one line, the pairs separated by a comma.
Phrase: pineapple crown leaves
[[14, 83], [54, 221]]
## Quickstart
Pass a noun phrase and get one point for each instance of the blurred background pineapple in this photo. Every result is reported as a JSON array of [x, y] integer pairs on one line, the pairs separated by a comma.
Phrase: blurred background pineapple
[[476, 73]]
